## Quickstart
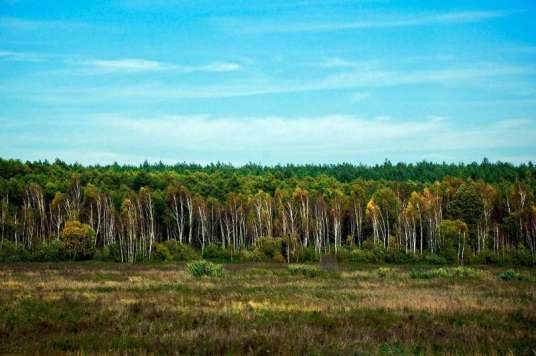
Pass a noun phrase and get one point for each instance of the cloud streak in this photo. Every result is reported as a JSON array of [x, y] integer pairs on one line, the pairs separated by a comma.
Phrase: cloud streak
[[347, 80], [371, 22], [271, 139], [133, 65], [24, 24]]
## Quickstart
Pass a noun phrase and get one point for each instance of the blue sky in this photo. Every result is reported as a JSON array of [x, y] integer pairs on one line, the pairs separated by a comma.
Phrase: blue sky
[[316, 81]]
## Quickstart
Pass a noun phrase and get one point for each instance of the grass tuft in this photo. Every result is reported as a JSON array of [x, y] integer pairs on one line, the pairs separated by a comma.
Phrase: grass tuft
[[306, 270], [202, 268]]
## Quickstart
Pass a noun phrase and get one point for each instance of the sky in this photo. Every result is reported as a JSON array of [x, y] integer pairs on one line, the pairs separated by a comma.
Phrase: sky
[[278, 81]]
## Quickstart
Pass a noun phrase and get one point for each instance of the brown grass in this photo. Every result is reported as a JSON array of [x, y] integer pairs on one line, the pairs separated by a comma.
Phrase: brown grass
[[111, 308]]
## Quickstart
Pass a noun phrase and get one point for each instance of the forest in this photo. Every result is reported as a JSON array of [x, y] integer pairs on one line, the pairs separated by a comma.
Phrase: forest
[[452, 213]]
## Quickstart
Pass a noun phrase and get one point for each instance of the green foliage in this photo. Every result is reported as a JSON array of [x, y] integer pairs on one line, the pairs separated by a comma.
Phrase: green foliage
[[521, 256], [180, 252], [465, 272], [9, 252], [307, 254], [202, 268], [161, 253], [250, 256], [48, 252], [467, 204], [384, 272], [428, 274], [217, 253], [271, 249], [435, 260], [444, 272], [510, 275], [305, 270], [77, 240]]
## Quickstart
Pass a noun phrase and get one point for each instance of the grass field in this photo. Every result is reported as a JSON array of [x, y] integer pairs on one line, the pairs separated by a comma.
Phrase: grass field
[[264, 309]]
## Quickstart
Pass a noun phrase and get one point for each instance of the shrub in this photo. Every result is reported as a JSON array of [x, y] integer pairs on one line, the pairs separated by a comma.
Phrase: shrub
[[361, 256], [11, 253], [305, 270], [435, 260], [77, 240], [279, 258], [442, 272], [384, 272], [307, 254], [271, 248], [161, 253], [434, 273], [249, 256], [202, 268], [180, 252], [48, 252], [522, 256], [465, 272], [399, 256], [109, 253], [217, 253], [510, 275]]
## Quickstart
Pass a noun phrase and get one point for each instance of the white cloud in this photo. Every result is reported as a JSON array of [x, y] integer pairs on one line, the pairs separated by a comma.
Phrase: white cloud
[[131, 65], [271, 139], [23, 24], [124, 65], [512, 123], [21, 56], [374, 21]]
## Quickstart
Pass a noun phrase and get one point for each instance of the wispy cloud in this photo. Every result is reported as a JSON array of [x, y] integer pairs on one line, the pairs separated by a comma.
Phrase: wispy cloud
[[161, 91], [269, 139], [21, 56], [512, 123], [370, 22], [25, 24], [131, 65]]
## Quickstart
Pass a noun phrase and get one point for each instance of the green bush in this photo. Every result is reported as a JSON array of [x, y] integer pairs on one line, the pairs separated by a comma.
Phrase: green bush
[[48, 252], [279, 258], [271, 248], [485, 257], [510, 275], [307, 254], [161, 253], [11, 253], [109, 253], [250, 256], [202, 268], [442, 272], [521, 256], [465, 272], [77, 240], [434, 273], [361, 256], [435, 260], [217, 253], [180, 252], [399, 257], [384, 272], [305, 270]]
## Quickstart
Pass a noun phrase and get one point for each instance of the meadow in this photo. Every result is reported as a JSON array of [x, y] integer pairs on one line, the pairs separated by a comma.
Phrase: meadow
[[96, 307]]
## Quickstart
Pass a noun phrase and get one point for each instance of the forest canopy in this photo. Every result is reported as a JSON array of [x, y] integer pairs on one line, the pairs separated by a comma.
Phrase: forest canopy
[[457, 211]]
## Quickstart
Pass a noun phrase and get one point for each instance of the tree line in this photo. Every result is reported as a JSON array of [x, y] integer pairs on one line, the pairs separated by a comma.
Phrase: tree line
[[493, 211]]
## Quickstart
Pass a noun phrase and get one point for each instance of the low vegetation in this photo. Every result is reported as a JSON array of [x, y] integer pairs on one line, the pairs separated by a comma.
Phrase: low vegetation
[[204, 268], [95, 307], [304, 270]]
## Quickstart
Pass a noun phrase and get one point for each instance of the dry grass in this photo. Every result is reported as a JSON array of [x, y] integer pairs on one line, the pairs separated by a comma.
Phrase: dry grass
[[111, 308]]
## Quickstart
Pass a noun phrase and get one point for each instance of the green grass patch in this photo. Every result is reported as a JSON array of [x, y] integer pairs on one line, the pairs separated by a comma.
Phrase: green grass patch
[[202, 268], [461, 272], [305, 270]]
